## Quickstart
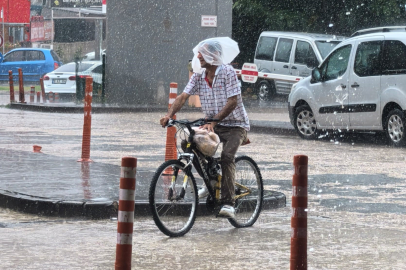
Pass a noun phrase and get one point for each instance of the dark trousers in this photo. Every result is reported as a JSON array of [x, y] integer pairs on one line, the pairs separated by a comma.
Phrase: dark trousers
[[232, 138]]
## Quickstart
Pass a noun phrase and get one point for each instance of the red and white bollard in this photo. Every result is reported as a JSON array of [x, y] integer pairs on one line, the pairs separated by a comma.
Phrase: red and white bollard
[[56, 98], [32, 94], [42, 90], [37, 149], [51, 97], [87, 125], [298, 241], [171, 151], [21, 86], [125, 223], [10, 80], [38, 97]]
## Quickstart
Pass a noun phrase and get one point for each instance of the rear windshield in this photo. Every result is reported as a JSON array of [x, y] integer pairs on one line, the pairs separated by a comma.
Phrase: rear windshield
[[325, 47], [71, 67], [55, 56]]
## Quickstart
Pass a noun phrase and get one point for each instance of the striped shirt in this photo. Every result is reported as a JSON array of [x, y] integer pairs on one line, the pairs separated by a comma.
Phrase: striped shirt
[[213, 99]]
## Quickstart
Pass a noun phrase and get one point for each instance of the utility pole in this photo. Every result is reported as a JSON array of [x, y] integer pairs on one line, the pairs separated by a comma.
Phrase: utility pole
[[52, 33], [2, 18]]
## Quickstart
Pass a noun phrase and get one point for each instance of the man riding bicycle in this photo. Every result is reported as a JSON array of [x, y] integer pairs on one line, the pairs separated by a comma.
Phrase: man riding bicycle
[[220, 96]]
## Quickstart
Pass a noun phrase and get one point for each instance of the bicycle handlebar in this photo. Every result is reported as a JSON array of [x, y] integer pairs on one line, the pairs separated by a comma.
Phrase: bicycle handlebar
[[187, 123]]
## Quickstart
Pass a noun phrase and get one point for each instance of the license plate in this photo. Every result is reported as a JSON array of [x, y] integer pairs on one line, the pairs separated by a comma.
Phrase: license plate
[[59, 81]]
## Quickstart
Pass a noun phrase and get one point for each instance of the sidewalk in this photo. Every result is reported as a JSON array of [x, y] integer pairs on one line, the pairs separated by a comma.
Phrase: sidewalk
[[57, 185]]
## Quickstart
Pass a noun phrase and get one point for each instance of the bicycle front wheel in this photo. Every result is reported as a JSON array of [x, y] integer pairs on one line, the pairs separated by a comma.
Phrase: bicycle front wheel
[[173, 199], [249, 192]]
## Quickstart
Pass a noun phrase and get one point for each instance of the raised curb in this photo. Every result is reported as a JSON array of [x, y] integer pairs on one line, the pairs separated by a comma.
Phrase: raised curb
[[99, 209], [56, 108], [275, 127]]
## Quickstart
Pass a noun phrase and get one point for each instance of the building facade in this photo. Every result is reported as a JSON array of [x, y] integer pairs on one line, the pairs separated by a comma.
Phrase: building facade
[[149, 44], [16, 14]]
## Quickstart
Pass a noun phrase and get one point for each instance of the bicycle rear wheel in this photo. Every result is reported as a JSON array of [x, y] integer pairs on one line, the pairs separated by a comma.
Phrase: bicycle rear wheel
[[173, 202], [249, 192]]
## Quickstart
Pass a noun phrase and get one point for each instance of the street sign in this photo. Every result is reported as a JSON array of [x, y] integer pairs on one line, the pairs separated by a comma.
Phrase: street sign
[[1, 40], [209, 21], [249, 73]]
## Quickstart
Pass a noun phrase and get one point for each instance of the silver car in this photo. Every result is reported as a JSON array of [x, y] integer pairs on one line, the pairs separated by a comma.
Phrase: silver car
[[289, 53]]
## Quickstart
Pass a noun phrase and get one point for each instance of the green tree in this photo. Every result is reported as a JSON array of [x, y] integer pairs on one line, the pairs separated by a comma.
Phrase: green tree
[[343, 17]]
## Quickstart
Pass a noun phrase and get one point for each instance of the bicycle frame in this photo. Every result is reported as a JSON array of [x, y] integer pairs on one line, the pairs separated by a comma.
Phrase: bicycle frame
[[191, 153]]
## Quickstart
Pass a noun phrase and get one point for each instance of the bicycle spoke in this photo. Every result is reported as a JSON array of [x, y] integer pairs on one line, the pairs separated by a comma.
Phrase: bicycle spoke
[[173, 215], [249, 192]]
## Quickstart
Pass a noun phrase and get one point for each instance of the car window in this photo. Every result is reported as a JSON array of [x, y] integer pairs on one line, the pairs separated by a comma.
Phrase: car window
[[71, 67], [394, 55], [266, 48], [34, 56], [336, 64], [283, 50], [55, 56], [98, 69], [14, 56], [367, 59], [326, 46], [304, 53]]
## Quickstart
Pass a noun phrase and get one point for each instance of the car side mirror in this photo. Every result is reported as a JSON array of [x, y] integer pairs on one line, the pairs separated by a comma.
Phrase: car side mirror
[[316, 75], [311, 62]]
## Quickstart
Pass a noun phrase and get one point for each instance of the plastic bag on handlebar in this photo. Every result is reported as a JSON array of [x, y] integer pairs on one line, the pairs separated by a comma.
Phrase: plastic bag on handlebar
[[206, 142]]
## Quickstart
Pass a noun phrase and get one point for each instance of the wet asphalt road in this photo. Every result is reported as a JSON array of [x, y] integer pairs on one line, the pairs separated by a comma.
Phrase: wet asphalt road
[[339, 240], [356, 212]]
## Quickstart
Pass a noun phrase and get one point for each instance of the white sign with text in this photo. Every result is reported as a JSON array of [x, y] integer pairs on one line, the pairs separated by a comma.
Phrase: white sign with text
[[209, 21]]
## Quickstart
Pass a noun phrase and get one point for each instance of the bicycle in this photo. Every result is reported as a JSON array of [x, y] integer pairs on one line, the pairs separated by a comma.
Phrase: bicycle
[[173, 195]]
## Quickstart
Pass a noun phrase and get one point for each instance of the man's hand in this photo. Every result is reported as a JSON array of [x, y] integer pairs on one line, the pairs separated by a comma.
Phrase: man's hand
[[164, 121], [209, 126], [176, 106]]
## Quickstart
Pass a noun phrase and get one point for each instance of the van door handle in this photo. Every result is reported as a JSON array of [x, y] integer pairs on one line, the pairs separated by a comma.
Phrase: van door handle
[[285, 66], [293, 67], [355, 85]]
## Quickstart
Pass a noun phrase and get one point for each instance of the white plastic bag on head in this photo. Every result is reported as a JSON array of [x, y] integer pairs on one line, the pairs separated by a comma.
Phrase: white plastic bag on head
[[215, 51], [206, 142]]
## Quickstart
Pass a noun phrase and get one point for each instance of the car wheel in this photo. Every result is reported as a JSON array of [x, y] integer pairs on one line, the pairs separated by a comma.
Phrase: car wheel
[[395, 127], [266, 90], [305, 123]]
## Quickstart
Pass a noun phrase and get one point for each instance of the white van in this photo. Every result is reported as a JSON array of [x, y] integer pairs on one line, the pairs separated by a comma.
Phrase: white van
[[289, 53], [361, 85]]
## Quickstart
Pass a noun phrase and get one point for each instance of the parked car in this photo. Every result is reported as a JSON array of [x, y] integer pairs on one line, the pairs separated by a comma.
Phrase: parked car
[[360, 86], [288, 53], [92, 56], [63, 79], [34, 62], [379, 30]]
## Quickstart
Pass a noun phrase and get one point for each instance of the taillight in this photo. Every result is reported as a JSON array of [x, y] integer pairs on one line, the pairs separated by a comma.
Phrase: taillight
[[56, 65], [46, 78], [72, 78]]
